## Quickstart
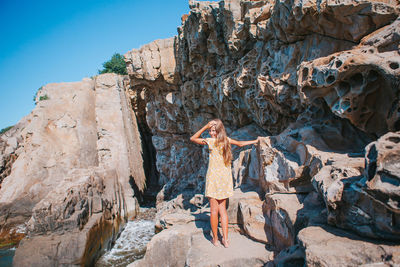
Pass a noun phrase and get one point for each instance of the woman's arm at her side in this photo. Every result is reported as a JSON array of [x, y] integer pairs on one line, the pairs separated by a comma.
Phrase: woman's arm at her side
[[196, 137], [242, 143]]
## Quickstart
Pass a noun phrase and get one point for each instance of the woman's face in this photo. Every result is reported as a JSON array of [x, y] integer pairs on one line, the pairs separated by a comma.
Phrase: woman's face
[[213, 132]]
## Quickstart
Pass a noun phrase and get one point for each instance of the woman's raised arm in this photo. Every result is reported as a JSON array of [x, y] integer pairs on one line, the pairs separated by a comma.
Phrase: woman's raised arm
[[243, 143], [196, 137]]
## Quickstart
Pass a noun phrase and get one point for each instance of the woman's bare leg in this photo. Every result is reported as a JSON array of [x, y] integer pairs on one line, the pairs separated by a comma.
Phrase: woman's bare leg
[[214, 219], [224, 221]]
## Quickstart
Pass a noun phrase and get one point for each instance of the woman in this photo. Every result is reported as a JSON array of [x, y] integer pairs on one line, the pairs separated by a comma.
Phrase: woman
[[219, 184]]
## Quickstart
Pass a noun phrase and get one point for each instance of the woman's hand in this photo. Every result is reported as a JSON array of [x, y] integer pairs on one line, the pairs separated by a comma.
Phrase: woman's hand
[[244, 143], [196, 137], [210, 124]]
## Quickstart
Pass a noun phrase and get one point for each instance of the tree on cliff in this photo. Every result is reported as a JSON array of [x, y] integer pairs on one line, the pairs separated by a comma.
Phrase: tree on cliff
[[5, 129], [115, 65]]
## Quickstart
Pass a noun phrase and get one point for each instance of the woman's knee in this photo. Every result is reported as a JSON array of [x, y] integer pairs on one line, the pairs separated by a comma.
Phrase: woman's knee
[[213, 206]]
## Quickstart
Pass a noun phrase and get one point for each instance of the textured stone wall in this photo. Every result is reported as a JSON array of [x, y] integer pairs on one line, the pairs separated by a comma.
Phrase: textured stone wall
[[269, 63], [319, 80]]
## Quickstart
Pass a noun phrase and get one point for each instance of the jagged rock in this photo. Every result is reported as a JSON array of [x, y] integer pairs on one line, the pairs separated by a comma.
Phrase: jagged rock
[[178, 217], [152, 61], [322, 246], [320, 80], [382, 171], [366, 204], [359, 84], [77, 153], [288, 161], [240, 199], [251, 217], [177, 211], [244, 62], [245, 164], [291, 256], [286, 214], [336, 19]]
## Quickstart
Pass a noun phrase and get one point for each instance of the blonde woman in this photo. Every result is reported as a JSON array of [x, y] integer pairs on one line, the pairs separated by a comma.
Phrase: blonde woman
[[219, 184]]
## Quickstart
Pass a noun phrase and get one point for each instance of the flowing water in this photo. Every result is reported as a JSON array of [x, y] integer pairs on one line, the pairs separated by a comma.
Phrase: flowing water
[[6, 257], [131, 244]]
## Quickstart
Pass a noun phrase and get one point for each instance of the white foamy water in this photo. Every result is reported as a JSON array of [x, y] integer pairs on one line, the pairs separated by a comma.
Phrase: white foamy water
[[130, 246]]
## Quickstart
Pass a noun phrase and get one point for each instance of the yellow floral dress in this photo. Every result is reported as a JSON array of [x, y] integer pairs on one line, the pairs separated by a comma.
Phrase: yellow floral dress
[[219, 184]]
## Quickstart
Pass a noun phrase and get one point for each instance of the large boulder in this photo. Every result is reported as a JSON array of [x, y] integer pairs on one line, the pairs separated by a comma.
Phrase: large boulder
[[365, 202], [69, 188], [322, 246], [190, 245], [286, 214]]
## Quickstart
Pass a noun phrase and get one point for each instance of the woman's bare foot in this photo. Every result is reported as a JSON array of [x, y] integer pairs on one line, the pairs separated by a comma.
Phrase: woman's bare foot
[[225, 242], [215, 242]]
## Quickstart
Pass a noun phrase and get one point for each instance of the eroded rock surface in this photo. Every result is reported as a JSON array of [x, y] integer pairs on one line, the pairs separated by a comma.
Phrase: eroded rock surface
[[320, 81], [267, 63], [365, 201]]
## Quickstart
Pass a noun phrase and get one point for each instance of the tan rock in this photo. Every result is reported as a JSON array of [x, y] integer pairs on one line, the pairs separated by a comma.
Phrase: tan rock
[[77, 153], [189, 245], [153, 61], [286, 214], [252, 219], [176, 212], [323, 245], [243, 61], [284, 67]]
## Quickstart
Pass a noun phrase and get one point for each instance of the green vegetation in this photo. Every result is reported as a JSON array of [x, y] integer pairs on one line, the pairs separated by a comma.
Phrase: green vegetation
[[8, 245], [5, 129], [43, 97], [34, 97], [115, 65]]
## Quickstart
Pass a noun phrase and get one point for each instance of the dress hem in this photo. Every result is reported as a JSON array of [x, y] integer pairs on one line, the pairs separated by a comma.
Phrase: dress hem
[[219, 198]]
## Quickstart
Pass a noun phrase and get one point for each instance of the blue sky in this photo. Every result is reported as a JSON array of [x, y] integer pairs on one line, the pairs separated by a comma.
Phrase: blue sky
[[44, 41]]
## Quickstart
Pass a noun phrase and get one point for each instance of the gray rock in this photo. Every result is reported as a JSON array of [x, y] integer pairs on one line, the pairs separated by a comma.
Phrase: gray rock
[[365, 202]]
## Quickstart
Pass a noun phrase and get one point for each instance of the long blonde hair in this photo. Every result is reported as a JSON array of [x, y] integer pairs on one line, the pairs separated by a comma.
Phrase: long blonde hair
[[222, 140]]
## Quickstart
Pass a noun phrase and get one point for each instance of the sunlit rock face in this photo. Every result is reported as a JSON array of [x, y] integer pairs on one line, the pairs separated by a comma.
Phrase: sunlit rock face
[[266, 62], [319, 80], [361, 84], [69, 188]]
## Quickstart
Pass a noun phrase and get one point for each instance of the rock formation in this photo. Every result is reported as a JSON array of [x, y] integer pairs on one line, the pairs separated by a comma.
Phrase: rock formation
[[321, 80], [69, 188]]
